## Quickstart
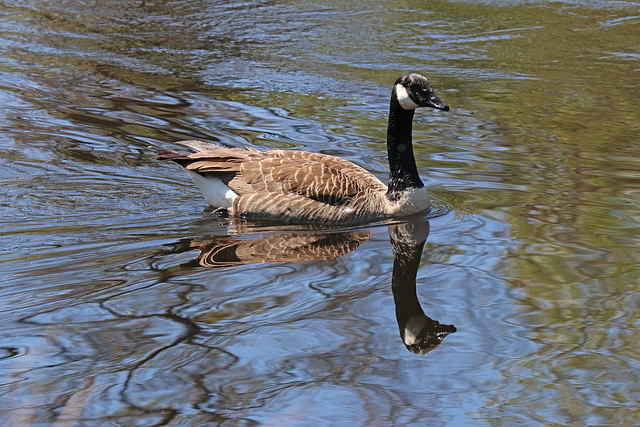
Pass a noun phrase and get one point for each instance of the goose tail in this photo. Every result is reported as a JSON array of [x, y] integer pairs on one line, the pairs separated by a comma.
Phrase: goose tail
[[199, 146], [213, 187]]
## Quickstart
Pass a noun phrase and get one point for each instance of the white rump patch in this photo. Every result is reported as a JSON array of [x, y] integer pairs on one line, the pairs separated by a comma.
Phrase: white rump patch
[[404, 99], [215, 192]]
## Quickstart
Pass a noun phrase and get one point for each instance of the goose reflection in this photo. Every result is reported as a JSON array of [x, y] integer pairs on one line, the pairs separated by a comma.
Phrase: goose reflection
[[230, 251], [419, 333]]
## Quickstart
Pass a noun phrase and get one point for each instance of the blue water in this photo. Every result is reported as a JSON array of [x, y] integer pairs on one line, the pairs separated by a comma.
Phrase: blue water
[[109, 318]]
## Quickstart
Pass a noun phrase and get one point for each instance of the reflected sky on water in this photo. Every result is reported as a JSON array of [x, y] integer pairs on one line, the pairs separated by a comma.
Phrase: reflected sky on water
[[108, 317]]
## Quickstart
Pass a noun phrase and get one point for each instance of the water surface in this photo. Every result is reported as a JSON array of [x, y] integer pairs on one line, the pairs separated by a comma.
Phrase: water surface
[[110, 318]]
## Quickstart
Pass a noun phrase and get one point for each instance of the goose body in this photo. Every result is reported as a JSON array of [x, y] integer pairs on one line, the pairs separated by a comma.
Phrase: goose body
[[300, 186]]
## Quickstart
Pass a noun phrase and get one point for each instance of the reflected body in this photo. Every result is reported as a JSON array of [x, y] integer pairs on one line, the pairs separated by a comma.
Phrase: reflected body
[[227, 251]]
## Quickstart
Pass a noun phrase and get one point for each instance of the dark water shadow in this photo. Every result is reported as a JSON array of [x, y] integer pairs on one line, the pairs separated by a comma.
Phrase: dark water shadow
[[420, 333]]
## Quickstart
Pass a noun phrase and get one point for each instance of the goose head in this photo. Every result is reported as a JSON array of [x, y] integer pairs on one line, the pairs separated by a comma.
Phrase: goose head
[[413, 90]]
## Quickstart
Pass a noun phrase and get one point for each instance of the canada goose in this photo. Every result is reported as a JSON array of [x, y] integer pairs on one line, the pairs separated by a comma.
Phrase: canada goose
[[300, 186]]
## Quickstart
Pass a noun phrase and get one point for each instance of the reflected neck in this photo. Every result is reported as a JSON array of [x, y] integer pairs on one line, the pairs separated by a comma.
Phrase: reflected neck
[[406, 261], [420, 333]]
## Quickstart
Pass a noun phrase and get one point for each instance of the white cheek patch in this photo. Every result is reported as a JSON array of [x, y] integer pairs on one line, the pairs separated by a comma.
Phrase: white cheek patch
[[413, 328], [403, 98]]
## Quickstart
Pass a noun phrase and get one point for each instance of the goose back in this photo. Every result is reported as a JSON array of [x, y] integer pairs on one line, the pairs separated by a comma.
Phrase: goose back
[[287, 185]]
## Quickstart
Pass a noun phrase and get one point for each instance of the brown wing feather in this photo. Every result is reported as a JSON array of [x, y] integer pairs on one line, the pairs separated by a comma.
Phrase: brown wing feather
[[318, 176], [289, 184], [281, 171]]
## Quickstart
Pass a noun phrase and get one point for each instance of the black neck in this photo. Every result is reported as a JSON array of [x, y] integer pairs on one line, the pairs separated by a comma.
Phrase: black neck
[[403, 173]]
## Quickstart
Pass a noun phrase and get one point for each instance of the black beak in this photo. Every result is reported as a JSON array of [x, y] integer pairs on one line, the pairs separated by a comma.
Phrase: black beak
[[434, 102]]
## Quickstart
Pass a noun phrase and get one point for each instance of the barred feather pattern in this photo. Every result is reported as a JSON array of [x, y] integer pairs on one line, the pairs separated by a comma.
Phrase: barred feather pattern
[[225, 251], [292, 185]]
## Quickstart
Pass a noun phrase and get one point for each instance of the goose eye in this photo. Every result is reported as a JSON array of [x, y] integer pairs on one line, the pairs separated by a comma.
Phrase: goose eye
[[420, 89]]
